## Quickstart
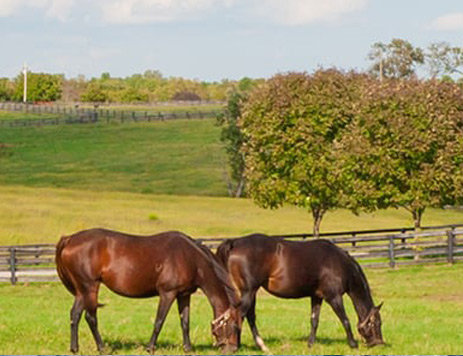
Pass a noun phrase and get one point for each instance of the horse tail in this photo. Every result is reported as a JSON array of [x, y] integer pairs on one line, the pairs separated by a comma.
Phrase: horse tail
[[223, 251], [60, 267]]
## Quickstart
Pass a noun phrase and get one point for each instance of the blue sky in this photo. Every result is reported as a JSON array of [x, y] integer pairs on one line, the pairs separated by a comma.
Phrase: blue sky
[[212, 39]]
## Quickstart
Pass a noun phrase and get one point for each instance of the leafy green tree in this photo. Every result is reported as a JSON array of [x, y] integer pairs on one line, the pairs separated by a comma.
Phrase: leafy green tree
[[405, 147], [397, 59], [6, 89], [94, 93], [232, 137], [292, 125], [40, 87]]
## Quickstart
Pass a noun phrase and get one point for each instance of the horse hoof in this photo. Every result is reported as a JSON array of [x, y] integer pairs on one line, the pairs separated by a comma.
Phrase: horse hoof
[[353, 344], [74, 350], [150, 350]]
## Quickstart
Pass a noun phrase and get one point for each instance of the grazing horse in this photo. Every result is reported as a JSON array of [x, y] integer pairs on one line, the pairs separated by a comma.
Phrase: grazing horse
[[170, 265], [295, 269]]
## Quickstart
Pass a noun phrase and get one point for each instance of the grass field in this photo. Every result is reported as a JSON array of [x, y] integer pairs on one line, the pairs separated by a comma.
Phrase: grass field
[[35, 215], [422, 314], [177, 157]]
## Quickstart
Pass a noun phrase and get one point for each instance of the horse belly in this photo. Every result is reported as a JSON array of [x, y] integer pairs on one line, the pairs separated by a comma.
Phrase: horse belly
[[134, 281]]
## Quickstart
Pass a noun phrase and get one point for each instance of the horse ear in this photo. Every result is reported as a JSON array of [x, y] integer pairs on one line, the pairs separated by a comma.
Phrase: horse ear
[[378, 308]]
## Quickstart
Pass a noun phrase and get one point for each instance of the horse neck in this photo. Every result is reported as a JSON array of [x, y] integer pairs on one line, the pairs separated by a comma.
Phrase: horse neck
[[213, 288], [359, 291]]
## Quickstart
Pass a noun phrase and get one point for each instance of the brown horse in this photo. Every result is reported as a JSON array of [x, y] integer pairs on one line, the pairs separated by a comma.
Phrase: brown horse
[[295, 269], [169, 265]]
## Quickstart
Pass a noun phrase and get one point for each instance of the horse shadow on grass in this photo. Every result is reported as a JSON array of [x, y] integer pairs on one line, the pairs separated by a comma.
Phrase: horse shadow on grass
[[117, 345]]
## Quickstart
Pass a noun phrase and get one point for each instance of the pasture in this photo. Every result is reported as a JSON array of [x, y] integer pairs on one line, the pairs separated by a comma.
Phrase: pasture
[[42, 215], [177, 157], [422, 314], [146, 178]]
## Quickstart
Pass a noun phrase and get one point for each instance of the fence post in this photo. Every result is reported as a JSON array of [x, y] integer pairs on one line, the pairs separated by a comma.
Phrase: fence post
[[391, 252], [450, 238], [13, 278]]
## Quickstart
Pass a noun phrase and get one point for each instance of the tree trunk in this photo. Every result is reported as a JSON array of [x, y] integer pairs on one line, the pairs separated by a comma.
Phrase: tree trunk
[[417, 215], [240, 188], [317, 214]]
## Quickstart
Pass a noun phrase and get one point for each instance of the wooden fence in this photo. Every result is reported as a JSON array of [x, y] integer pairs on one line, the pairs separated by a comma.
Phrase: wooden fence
[[372, 248], [63, 115]]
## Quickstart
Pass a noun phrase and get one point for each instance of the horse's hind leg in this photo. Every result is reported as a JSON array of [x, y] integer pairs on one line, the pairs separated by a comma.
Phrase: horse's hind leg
[[76, 314], [91, 306], [338, 307], [315, 316], [251, 318], [165, 302], [183, 303]]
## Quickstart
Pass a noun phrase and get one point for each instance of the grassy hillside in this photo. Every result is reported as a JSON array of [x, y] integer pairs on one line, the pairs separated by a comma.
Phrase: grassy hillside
[[176, 157], [33, 215]]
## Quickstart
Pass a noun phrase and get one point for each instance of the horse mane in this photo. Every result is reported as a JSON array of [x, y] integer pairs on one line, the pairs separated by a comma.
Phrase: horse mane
[[218, 269], [358, 269]]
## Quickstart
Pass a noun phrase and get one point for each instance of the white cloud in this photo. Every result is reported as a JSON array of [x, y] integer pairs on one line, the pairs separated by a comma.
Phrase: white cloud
[[286, 12], [449, 22], [58, 9], [302, 12], [145, 11]]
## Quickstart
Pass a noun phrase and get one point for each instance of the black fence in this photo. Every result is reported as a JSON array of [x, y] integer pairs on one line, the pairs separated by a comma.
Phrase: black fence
[[62, 115], [372, 248]]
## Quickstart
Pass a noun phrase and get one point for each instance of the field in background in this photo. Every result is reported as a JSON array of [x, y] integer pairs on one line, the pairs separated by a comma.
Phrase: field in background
[[36, 215], [422, 314], [177, 157]]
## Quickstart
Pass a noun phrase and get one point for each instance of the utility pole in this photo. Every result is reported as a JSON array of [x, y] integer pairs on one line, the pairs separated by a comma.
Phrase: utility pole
[[25, 83]]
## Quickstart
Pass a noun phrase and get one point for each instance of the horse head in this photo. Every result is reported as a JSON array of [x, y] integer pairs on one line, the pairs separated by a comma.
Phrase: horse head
[[227, 330], [370, 327]]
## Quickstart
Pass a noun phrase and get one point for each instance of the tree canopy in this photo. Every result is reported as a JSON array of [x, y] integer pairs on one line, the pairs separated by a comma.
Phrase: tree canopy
[[336, 139]]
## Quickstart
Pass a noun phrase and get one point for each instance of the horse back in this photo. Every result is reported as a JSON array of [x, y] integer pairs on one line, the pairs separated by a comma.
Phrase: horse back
[[288, 269], [133, 266]]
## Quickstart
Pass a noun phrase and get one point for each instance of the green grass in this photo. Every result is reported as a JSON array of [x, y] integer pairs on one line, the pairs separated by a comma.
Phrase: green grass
[[35, 215], [176, 157], [17, 115], [422, 314]]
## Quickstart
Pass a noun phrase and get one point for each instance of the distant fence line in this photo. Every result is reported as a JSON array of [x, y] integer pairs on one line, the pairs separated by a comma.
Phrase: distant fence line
[[78, 115], [372, 248]]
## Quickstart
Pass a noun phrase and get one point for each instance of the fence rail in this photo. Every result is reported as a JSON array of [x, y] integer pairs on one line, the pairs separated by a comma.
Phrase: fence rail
[[65, 115], [372, 248]]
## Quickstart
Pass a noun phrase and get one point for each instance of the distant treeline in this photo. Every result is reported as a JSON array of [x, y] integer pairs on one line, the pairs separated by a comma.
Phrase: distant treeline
[[396, 59], [149, 87]]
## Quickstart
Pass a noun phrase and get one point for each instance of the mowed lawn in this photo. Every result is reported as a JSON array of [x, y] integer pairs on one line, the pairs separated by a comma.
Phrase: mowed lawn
[[422, 314]]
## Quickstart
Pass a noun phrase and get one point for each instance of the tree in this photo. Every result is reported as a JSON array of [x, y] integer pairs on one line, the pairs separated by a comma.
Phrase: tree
[[406, 146], [233, 138], [40, 86], [443, 59], [94, 93], [292, 125], [397, 59], [6, 89]]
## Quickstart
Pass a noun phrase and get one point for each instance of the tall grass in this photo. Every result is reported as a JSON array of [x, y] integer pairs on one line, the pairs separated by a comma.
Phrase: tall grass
[[422, 314]]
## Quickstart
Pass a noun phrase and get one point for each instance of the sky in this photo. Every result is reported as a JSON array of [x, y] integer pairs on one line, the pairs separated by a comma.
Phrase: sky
[[212, 40]]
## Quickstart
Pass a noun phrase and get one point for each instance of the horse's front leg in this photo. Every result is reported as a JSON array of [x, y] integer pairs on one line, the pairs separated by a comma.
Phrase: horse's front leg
[[183, 303], [251, 318], [338, 307], [314, 318], [165, 302]]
